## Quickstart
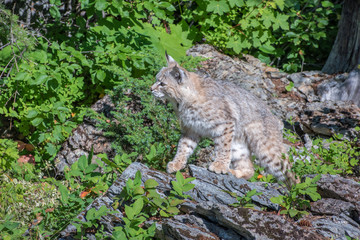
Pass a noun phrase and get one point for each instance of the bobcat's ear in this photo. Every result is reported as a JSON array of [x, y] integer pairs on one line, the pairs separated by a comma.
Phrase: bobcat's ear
[[170, 60], [178, 74]]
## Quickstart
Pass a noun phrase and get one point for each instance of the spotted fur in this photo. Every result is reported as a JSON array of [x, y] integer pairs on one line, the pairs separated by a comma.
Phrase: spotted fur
[[239, 123]]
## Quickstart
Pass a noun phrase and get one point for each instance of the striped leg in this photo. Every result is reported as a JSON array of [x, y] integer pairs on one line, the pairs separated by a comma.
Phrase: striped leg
[[186, 147], [223, 149], [241, 160]]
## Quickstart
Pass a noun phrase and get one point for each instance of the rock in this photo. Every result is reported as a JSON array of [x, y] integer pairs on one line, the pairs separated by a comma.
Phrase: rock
[[86, 137], [250, 224], [337, 227], [328, 118], [330, 206], [214, 186], [334, 186], [208, 215], [339, 90]]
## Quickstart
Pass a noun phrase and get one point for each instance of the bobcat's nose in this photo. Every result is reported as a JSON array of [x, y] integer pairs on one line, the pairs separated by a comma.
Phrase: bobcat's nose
[[153, 87]]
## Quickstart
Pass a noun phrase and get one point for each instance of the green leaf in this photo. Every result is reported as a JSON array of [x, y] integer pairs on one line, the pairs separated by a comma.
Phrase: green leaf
[[277, 200], [138, 206], [267, 49], [129, 211], [293, 212], [55, 13], [163, 214], [172, 210], [280, 4], [32, 113], [64, 193], [289, 87], [100, 5], [219, 7], [180, 178], [151, 183], [238, 3], [327, 4], [100, 74], [82, 163], [139, 191], [37, 121], [51, 149], [137, 179], [21, 75], [39, 79], [234, 45], [188, 187]]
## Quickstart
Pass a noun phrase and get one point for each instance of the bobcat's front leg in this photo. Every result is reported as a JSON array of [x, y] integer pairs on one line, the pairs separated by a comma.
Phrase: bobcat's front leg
[[186, 147], [223, 142]]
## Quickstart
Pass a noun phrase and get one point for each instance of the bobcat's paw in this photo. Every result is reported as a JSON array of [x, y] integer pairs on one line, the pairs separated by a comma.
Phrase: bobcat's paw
[[175, 166], [219, 167], [247, 174]]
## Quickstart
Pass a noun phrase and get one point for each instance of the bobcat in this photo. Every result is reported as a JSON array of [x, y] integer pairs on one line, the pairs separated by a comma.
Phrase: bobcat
[[237, 121]]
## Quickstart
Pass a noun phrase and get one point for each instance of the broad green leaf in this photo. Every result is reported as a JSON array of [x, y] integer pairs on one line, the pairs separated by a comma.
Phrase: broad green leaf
[[21, 75], [163, 214], [137, 179], [82, 163], [138, 206], [32, 113], [189, 179], [280, 4], [172, 210], [327, 4], [39, 79], [37, 121], [51, 149], [176, 202], [55, 13], [139, 191], [64, 193], [293, 212], [267, 49], [219, 7], [180, 178], [129, 211], [100, 5], [100, 74], [188, 187], [234, 45], [151, 183], [238, 3]]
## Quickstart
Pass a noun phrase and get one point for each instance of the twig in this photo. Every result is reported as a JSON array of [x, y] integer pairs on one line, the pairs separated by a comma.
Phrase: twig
[[4, 46], [6, 66]]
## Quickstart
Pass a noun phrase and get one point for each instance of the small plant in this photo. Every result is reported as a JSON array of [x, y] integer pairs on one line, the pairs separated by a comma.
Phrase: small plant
[[143, 202], [8, 153], [294, 203], [92, 222], [244, 201]]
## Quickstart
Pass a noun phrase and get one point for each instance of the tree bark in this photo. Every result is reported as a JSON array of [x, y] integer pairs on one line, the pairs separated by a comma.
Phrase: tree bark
[[345, 53]]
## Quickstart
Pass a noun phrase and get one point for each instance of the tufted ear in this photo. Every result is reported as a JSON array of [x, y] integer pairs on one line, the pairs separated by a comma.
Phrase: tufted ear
[[178, 74], [170, 60]]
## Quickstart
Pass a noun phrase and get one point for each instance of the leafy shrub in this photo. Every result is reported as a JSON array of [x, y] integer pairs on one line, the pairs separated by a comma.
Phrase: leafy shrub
[[141, 203], [278, 32], [336, 155], [295, 203]]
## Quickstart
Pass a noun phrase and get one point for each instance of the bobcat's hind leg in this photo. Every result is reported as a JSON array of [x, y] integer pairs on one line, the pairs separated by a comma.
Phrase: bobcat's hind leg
[[241, 161]]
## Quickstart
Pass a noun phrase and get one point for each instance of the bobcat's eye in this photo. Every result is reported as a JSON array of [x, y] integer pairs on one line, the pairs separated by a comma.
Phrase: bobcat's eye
[[162, 84]]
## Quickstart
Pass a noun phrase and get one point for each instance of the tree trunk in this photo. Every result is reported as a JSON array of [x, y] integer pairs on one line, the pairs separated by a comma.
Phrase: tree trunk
[[345, 53]]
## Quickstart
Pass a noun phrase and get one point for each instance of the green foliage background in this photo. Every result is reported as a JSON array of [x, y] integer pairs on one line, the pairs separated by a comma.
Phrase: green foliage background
[[52, 72]]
